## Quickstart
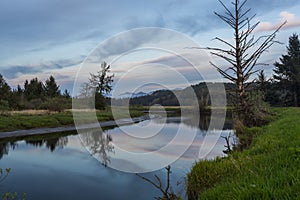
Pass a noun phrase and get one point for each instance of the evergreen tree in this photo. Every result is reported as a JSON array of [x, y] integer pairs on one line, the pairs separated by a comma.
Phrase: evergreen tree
[[17, 99], [287, 72], [5, 94], [100, 83], [34, 89], [262, 83], [51, 88], [66, 94], [5, 89]]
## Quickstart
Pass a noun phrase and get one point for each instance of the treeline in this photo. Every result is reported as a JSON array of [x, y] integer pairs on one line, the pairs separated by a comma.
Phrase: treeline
[[268, 90], [34, 95]]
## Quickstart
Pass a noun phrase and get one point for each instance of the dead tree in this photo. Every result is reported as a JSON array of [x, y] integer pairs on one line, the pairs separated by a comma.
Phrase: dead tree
[[166, 192], [242, 55]]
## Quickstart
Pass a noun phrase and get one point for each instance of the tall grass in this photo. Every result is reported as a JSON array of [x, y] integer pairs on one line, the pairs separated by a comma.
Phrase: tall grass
[[268, 169]]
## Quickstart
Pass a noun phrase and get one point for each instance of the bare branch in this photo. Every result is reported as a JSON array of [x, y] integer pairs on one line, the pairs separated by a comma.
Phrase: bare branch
[[151, 182], [231, 61], [227, 10], [225, 42], [224, 73]]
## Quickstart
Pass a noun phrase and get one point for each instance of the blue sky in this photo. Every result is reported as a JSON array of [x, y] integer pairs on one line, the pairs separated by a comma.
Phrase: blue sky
[[43, 37]]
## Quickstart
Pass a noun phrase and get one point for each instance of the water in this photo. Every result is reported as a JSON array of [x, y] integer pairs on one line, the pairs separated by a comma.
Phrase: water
[[58, 166]]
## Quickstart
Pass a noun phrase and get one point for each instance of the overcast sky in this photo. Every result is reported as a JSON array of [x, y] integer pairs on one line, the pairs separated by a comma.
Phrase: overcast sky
[[43, 37]]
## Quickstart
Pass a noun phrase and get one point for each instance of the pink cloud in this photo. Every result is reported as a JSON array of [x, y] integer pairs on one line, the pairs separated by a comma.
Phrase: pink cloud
[[292, 21]]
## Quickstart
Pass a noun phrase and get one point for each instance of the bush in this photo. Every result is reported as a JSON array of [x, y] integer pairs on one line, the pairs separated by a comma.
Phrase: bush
[[34, 104], [256, 113], [57, 104], [4, 107]]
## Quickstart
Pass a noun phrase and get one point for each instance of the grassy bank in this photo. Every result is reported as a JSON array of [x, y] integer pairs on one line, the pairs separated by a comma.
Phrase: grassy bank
[[28, 120], [268, 169]]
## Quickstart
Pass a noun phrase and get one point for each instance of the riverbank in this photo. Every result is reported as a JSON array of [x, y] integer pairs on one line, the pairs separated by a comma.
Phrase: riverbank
[[42, 131], [34, 120], [269, 169]]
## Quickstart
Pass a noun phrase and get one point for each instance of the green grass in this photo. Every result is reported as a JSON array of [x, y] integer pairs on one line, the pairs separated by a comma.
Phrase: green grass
[[29, 121], [268, 169]]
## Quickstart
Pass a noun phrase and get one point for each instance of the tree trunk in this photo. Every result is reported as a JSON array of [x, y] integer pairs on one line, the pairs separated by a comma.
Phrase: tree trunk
[[238, 57], [242, 97]]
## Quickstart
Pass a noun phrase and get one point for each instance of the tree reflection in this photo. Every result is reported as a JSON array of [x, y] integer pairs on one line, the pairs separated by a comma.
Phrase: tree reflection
[[98, 144], [50, 143], [204, 122], [5, 146]]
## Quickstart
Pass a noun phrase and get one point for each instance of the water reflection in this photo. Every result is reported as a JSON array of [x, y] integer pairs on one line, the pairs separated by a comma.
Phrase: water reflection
[[98, 144], [5, 146], [59, 162], [50, 141], [202, 123], [51, 144]]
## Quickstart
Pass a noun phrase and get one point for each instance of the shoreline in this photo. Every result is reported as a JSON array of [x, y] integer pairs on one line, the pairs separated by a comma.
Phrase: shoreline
[[42, 131]]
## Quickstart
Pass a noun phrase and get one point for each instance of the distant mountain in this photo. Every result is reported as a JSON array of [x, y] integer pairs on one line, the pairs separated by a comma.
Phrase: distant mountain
[[133, 95], [176, 89], [170, 97]]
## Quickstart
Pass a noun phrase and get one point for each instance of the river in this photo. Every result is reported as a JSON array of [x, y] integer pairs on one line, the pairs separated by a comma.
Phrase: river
[[63, 165]]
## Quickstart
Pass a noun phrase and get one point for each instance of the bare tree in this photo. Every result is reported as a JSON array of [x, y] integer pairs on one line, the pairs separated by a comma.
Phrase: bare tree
[[167, 192], [244, 53]]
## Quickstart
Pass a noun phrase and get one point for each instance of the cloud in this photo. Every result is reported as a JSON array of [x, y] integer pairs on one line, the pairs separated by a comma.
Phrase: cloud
[[290, 18], [265, 6], [201, 18], [16, 71], [129, 41]]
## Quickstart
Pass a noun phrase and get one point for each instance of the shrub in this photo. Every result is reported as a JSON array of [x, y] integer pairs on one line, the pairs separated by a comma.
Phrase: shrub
[[4, 107], [57, 104]]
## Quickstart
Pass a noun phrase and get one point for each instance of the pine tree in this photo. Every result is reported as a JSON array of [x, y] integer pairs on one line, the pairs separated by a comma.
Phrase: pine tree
[[66, 94], [5, 94], [34, 89], [287, 72], [100, 84], [4, 89], [51, 88]]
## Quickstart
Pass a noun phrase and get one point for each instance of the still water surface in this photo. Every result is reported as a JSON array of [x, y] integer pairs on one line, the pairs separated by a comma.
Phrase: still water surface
[[58, 166]]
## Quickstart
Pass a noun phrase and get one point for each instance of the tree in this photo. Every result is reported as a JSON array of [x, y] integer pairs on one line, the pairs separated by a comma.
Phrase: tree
[[34, 89], [262, 82], [100, 84], [242, 55], [4, 89], [287, 72], [101, 81], [66, 94], [51, 87], [5, 93]]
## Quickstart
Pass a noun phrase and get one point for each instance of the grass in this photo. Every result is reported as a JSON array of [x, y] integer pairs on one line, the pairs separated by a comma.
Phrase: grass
[[268, 169], [29, 120]]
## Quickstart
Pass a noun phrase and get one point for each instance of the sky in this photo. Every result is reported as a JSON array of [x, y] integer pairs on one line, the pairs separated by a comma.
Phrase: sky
[[40, 38]]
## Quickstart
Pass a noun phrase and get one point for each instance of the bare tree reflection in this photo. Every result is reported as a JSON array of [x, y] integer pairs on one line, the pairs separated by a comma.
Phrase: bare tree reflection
[[98, 144]]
